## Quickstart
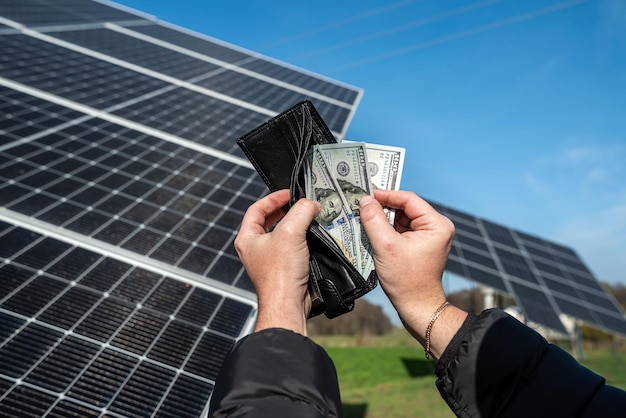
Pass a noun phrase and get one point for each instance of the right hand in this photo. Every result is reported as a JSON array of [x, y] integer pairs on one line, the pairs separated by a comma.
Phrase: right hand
[[410, 256]]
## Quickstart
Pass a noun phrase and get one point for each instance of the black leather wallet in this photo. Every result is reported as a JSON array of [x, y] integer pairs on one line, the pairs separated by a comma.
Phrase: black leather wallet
[[277, 149]]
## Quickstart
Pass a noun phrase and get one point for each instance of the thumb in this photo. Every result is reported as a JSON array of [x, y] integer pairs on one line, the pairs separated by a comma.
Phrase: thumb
[[375, 221], [301, 215]]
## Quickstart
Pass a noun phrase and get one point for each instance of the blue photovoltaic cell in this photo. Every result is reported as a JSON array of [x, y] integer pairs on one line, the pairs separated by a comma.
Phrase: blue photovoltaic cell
[[139, 52]]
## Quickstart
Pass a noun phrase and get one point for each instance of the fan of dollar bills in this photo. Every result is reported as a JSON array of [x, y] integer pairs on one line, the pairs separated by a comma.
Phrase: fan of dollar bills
[[337, 176]]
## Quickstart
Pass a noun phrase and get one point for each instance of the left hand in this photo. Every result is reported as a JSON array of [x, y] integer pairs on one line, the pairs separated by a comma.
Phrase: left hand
[[277, 261]]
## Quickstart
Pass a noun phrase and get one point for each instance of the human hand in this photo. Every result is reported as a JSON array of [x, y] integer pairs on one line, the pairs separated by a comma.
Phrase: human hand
[[410, 256], [277, 261]]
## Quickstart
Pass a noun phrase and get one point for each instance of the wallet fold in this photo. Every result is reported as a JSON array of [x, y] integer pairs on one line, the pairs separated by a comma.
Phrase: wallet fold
[[277, 150]]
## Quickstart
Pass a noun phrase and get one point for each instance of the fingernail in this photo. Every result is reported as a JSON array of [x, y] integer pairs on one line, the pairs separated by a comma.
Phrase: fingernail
[[366, 200]]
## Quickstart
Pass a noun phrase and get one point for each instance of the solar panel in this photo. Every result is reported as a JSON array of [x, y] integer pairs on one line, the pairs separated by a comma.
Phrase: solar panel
[[121, 190], [545, 278], [68, 312], [63, 12]]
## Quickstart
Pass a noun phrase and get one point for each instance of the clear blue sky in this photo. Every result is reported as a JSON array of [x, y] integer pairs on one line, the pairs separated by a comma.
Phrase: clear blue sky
[[512, 110]]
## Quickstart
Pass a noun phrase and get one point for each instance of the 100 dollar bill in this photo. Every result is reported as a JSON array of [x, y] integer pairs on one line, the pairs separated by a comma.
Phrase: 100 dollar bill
[[335, 217], [353, 169], [349, 166], [385, 169]]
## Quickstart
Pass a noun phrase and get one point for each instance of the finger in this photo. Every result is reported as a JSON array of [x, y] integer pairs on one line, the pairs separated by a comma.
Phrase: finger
[[411, 204], [375, 221], [300, 216], [264, 213], [402, 223]]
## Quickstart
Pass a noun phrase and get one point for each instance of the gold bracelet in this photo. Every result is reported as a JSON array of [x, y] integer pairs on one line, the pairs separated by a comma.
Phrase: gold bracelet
[[429, 328]]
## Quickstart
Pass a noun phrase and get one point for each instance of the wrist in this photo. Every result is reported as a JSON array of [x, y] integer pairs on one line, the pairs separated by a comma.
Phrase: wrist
[[416, 315], [282, 314], [429, 328], [434, 330]]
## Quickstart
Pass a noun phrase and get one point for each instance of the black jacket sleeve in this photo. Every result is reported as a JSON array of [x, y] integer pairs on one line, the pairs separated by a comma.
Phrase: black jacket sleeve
[[276, 373], [497, 367]]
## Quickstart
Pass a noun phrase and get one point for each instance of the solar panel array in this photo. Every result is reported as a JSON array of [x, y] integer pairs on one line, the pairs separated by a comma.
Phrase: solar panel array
[[545, 278], [121, 190]]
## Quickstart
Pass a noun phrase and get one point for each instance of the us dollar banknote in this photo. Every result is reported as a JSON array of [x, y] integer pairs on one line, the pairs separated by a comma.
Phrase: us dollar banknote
[[349, 167], [352, 169], [385, 164], [335, 217]]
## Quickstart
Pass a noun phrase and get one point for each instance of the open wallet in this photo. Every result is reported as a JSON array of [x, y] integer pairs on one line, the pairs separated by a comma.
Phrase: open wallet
[[277, 150]]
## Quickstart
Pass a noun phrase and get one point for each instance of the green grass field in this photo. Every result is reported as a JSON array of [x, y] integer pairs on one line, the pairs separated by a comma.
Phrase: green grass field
[[388, 377]]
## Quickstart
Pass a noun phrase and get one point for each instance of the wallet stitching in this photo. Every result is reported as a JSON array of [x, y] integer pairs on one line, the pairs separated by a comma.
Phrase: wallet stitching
[[335, 293]]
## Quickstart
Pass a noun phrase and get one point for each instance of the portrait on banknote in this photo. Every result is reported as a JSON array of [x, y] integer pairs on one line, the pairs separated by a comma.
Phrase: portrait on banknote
[[331, 205], [353, 195]]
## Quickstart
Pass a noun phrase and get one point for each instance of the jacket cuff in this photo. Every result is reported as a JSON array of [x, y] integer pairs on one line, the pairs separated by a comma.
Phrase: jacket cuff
[[276, 368], [496, 366]]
